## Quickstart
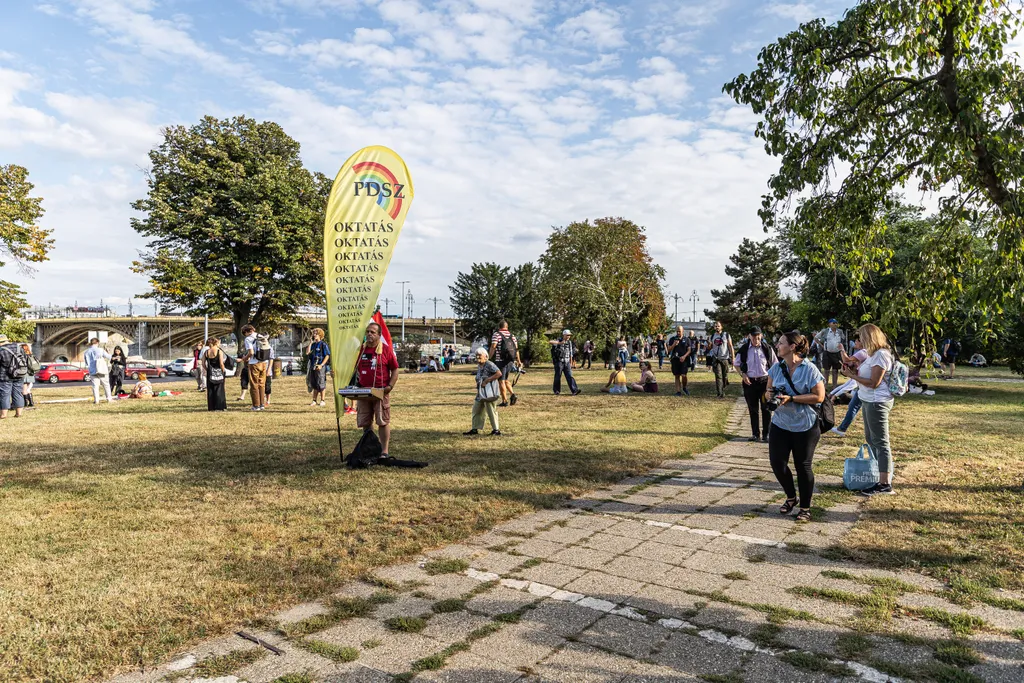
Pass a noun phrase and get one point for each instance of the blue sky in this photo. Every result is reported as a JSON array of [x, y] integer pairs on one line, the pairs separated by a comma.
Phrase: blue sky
[[512, 115]]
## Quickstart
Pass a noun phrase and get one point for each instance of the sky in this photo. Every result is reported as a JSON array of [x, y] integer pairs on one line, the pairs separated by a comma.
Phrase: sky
[[513, 116]]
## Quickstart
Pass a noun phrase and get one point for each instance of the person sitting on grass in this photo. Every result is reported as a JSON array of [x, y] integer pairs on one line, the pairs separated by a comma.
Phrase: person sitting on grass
[[648, 383], [143, 388], [977, 361], [616, 381]]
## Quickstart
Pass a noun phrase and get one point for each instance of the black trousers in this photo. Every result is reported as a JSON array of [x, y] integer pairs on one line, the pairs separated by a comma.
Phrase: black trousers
[[782, 443], [759, 415], [585, 359], [566, 369]]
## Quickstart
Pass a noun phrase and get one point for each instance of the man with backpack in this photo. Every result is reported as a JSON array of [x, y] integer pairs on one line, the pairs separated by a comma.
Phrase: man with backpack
[[13, 368], [505, 352], [257, 357], [950, 351]]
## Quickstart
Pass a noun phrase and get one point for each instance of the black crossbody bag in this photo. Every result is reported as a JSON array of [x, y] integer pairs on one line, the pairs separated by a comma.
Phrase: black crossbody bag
[[826, 410]]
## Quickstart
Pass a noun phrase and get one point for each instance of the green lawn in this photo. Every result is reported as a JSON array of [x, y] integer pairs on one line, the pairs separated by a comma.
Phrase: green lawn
[[133, 529]]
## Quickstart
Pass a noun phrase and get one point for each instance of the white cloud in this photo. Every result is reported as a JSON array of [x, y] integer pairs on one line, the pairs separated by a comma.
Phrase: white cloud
[[799, 12], [598, 28]]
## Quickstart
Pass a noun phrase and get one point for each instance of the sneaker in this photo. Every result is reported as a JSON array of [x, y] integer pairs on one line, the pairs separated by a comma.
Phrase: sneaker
[[753, 439], [254, 409], [686, 392], [471, 432], [312, 403], [322, 404], [503, 404], [836, 431], [678, 393], [871, 490], [512, 399], [495, 432], [577, 392], [879, 490], [765, 438]]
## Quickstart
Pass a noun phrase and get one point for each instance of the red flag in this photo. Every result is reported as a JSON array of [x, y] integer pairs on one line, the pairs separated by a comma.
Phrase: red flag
[[384, 333]]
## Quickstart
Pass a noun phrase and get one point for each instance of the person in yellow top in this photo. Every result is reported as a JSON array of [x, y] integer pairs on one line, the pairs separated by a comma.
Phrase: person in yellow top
[[616, 381]]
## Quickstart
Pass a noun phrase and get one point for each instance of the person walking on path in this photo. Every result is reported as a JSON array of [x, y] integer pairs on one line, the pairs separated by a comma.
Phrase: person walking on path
[[950, 351], [318, 355], [98, 361], [505, 352], [876, 402], [854, 361], [118, 365], [376, 368], [680, 352], [13, 366], [753, 360], [564, 351], [799, 387], [587, 354], [30, 376], [486, 372], [216, 375], [256, 356], [831, 341], [720, 353]]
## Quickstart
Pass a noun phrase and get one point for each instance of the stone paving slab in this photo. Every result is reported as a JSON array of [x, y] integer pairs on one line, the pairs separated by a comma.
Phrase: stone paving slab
[[692, 574]]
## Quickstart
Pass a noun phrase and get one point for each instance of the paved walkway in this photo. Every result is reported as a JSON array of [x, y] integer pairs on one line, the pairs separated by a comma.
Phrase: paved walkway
[[686, 573]]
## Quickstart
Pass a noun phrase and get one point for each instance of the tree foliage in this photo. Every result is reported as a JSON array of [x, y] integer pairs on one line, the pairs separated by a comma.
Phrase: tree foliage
[[22, 241], [900, 93], [602, 280], [754, 297], [490, 293], [235, 222]]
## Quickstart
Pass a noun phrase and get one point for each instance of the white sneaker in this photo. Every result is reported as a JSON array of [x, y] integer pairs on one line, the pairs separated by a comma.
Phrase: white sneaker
[[313, 403], [836, 431], [322, 404]]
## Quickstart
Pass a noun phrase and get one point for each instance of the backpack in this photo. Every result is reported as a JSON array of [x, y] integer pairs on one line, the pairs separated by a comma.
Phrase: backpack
[[13, 361], [954, 347], [229, 362], [899, 378], [366, 453], [508, 348], [261, 350]]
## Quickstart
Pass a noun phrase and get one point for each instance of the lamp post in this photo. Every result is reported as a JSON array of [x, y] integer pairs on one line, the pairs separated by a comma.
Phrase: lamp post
[[694, 298], [403, 283]]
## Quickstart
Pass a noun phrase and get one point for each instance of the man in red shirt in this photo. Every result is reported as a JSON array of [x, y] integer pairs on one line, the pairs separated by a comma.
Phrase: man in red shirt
[[376, 368]]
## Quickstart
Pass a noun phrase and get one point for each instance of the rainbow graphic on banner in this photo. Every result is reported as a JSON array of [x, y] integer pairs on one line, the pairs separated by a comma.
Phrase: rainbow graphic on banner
[[373, 172]]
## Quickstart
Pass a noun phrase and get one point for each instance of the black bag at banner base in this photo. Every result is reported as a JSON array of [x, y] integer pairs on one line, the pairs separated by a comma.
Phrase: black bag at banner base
[[366, 453]]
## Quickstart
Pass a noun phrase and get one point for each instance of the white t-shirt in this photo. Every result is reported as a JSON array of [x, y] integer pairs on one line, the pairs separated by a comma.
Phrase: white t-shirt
[[881, 358]]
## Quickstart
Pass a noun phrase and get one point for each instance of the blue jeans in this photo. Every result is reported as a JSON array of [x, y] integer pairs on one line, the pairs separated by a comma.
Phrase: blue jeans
[[876, 432], [10, 393], [624, 358], [851, 412], [564, 369]]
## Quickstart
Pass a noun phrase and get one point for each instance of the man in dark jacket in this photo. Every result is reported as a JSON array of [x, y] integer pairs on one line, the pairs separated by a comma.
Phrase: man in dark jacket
[[563, 352], [753, 360]]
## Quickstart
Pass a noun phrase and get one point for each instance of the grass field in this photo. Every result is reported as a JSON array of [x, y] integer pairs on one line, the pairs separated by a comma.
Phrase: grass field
[[134, 528]]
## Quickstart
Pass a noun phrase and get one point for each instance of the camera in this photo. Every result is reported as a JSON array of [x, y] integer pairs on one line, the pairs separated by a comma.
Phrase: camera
[[774, 401]]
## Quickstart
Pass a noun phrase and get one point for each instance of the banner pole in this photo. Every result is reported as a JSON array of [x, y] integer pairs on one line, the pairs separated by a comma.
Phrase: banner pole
[[340, 449]]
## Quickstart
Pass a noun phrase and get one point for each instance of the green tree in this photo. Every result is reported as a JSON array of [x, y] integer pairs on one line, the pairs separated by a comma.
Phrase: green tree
[[898, 93], [484, 297], [603, 281], [533, 314], [235, 222], [754, 297], [22, 242]]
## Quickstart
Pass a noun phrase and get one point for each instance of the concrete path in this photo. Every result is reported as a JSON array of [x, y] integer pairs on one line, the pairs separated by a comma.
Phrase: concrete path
[[686, 573]]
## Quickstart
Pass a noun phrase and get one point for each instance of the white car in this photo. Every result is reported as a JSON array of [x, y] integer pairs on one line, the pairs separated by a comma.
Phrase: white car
[[186, 366]]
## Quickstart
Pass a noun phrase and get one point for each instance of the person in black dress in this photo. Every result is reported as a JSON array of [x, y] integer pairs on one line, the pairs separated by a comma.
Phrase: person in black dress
[[118, 364], [213, 360]]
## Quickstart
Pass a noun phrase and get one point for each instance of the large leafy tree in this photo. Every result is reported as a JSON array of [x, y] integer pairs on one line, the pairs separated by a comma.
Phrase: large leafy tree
[[900, 93], [533, 313], [235, 222], [603, 281], [22, 242], [754, 297]]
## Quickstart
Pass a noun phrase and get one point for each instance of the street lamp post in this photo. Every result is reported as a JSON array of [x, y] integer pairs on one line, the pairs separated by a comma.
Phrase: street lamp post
[[403, 283], [694, 298]]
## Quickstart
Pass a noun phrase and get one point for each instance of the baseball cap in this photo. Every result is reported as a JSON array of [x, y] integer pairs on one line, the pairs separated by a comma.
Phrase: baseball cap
[[755, 330], [832, 320], [4, 339], [565, 332]]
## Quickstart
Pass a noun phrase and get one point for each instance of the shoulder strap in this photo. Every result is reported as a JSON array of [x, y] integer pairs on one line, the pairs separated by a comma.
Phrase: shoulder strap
[[785, 373]]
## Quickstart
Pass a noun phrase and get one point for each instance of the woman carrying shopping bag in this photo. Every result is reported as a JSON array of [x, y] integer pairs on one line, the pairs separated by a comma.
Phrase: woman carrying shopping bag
[[487, 394]]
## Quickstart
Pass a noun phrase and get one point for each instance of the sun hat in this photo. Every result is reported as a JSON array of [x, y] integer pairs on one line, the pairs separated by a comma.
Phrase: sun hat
[[4, 339], [565, 332]]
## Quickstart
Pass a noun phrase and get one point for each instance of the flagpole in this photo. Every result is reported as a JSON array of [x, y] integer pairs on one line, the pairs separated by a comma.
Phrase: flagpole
[[338, 419]]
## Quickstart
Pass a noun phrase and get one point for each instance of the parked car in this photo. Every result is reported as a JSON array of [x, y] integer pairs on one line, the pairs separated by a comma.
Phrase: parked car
[[61, 372], [182, 367], [150, 370]]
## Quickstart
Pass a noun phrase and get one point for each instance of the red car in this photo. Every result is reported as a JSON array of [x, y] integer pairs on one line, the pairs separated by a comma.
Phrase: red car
[[148, 369], [61, 372]]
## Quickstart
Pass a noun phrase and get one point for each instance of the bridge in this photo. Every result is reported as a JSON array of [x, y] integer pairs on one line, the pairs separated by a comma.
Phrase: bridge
[[160, 337]]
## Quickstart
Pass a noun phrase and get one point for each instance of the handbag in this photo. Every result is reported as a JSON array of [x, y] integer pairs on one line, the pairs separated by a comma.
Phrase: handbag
[[102, 369], [489, 392], [826, 410], [861, 472], [214, 372]]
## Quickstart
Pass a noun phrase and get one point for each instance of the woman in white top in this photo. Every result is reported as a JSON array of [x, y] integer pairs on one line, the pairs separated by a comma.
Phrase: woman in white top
[[877, 401]]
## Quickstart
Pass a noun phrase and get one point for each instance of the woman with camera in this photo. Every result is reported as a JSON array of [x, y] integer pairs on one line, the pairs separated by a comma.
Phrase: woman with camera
[[795, 387]]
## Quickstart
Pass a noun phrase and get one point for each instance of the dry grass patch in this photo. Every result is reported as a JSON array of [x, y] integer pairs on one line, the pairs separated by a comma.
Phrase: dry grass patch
[[135, 529]]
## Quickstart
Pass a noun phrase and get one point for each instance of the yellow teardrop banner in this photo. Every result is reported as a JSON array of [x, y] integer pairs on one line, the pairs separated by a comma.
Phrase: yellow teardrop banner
[[369, 201]]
